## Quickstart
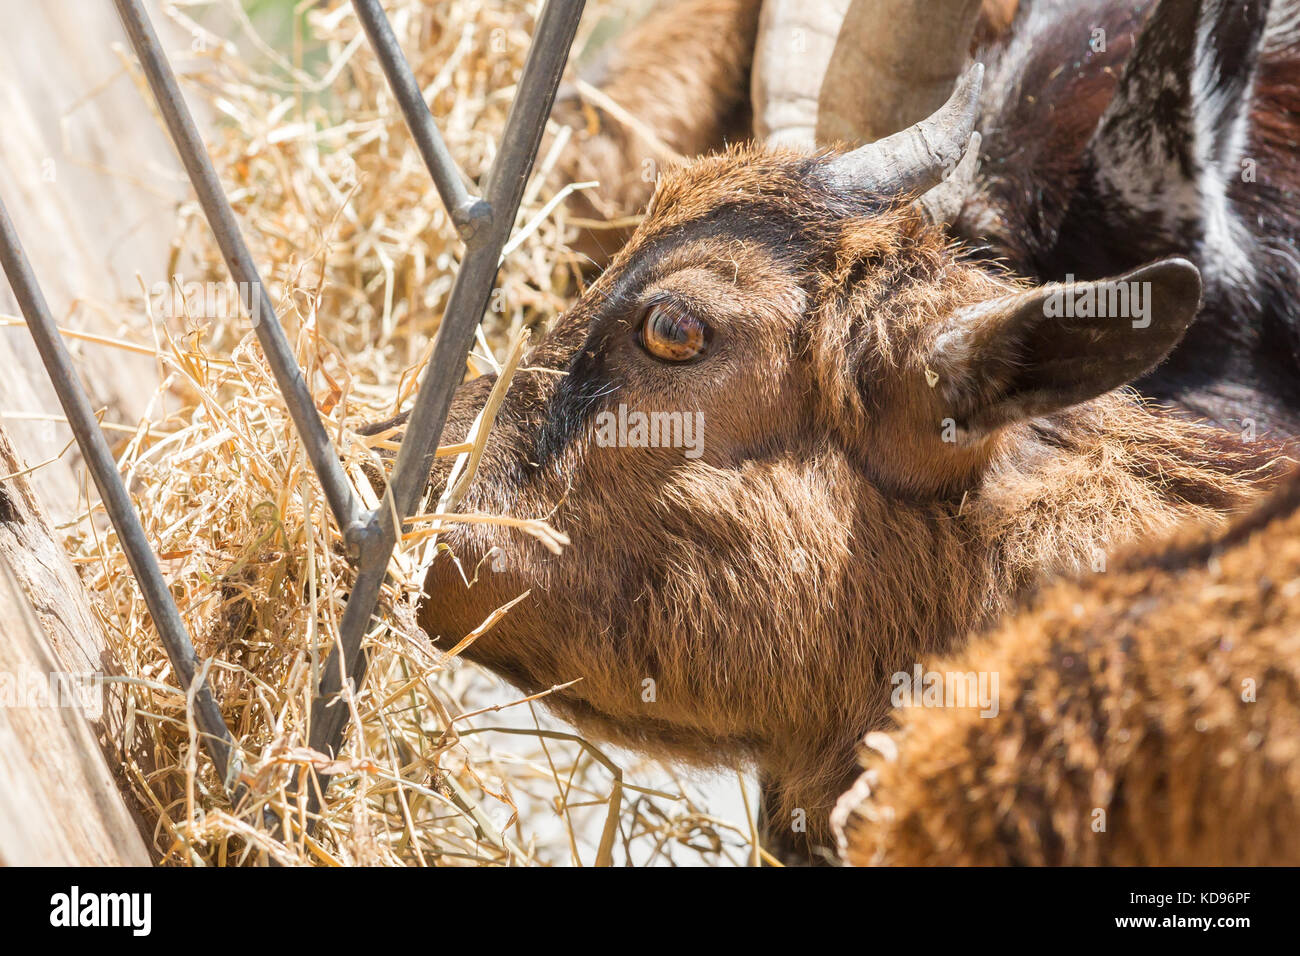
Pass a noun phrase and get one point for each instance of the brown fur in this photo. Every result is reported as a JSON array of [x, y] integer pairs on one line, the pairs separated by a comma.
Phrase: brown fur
[[1124, 693], [827, 537]]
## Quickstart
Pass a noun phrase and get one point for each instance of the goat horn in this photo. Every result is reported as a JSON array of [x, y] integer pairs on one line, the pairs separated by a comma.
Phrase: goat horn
[[921, 156], [796, 40], [943, 204]]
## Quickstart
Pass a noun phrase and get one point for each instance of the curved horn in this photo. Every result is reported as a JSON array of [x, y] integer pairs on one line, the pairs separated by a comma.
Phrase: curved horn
[[796, 39], [921, 156]]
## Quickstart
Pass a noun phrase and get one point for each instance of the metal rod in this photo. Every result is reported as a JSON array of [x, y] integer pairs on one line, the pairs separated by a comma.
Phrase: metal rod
[[279, 354], [468, 300], [117, 502], [468, 212]]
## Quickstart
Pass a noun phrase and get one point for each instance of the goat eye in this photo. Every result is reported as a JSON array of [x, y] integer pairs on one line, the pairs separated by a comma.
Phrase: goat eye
[[671, 333]]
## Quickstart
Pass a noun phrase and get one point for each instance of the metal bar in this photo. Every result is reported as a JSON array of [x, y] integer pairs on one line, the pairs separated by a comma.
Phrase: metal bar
[[221, 218], [468, 212], [117, 502], [469, 297]]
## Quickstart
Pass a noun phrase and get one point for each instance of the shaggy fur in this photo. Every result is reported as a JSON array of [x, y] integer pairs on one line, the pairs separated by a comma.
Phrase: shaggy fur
[[1160, 699], [828, 536]]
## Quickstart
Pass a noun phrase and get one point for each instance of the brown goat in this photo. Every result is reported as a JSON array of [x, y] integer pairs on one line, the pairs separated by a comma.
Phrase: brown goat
[[899, 442], [1149, 715]]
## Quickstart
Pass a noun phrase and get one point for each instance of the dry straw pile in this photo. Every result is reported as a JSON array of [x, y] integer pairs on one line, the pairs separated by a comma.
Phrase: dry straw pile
[[359, 257]]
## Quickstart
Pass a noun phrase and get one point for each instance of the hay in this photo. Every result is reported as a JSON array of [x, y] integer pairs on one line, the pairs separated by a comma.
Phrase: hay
[[358, 256]]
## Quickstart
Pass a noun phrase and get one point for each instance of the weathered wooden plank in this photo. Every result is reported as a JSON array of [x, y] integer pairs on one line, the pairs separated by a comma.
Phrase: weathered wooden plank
[[60, 799], [41, 566], [59, 803]]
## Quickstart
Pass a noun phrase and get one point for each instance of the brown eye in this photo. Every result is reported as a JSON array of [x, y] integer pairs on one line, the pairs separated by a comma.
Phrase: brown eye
[[671, 333]]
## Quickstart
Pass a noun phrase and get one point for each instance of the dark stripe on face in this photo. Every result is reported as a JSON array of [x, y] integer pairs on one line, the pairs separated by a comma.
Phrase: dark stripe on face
[[574, 402]]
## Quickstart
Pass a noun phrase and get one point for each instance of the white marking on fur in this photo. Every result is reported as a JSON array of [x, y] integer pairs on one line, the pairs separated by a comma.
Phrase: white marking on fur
[[1227, 241]]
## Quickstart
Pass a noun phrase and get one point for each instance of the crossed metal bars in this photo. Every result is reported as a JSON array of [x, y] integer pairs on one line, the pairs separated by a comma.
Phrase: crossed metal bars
[[484, 224]]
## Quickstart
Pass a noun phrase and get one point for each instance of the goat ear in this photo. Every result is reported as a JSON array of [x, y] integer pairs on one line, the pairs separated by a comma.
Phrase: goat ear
[[1039, 351]]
